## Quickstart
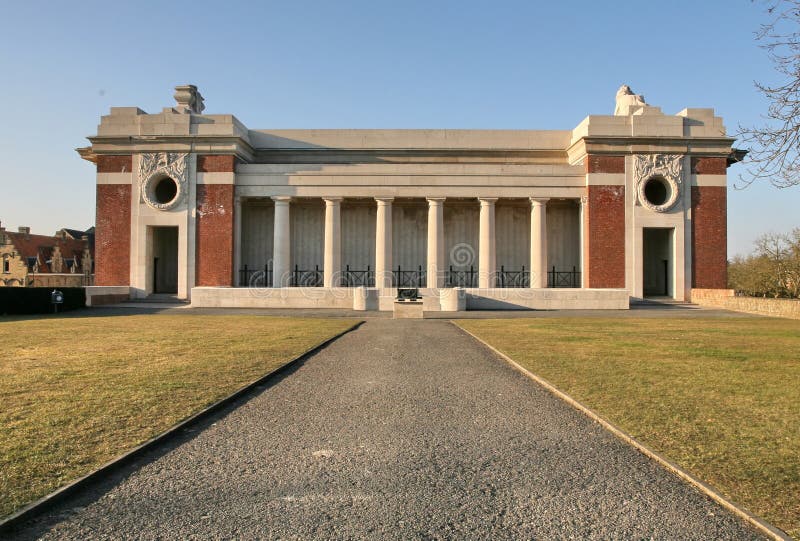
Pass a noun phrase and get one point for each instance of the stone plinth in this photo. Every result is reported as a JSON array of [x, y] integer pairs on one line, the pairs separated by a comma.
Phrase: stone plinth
[[365, 299], [453, 299], [408, 309]]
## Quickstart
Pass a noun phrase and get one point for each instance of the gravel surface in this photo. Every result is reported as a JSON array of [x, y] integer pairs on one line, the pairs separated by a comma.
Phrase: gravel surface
[[399, 430]]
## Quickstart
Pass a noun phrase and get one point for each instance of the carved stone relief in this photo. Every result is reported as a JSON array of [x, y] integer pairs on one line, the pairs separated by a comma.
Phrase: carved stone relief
[[667, 168], [153, 168]]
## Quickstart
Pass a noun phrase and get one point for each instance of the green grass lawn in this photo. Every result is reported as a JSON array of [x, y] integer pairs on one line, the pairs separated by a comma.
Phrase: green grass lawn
[[76, 392], [719, 397]]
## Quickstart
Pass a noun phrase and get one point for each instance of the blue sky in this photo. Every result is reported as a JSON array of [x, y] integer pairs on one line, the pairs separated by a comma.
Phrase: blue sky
[[364, 64]]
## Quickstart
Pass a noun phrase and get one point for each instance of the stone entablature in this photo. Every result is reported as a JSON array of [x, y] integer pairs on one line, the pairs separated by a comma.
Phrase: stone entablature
[[583, 198]]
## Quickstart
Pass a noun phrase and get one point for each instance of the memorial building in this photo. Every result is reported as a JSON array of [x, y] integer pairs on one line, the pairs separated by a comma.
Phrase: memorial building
[[201, 207]]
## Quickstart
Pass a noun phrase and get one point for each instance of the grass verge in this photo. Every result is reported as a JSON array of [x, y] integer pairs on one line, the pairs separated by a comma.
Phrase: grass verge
[[77, 392], [719, 397]]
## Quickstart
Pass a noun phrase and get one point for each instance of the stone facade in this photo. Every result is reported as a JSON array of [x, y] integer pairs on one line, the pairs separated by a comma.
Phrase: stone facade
[[623, 205]]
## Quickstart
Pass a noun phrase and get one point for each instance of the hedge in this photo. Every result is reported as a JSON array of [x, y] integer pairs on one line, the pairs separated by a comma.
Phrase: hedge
[[36, 300]]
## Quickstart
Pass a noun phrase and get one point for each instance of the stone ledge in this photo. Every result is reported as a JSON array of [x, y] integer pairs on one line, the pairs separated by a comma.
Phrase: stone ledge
[[103, 295]]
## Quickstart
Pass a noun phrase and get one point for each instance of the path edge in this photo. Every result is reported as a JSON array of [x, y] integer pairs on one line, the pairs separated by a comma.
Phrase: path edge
[[46, 503], [757, 522]]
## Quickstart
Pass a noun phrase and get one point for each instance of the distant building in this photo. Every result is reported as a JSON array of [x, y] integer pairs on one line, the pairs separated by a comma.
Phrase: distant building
[[619, 207], [65, 259]]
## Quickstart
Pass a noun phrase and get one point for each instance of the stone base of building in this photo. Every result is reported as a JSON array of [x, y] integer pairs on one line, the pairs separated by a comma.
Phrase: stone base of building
[[547, 299], [102, 295], [433, 300]]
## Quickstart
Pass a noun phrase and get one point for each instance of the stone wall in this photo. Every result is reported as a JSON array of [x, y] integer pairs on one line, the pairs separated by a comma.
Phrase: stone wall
[[724, 298]]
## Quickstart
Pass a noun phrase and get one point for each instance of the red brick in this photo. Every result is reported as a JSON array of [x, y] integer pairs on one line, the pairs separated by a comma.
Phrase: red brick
[[216, 163], [596, 163], [113, 235], [605, 237], [114, 164], [709, 237], [214, 263], [709, 166]]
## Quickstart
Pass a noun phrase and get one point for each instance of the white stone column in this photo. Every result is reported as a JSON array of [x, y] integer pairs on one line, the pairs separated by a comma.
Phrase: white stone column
[[383, 243], [487, 259], [237, 240], [281, 244], [538, 242], [584, 202], [435, 263], [332, 264]]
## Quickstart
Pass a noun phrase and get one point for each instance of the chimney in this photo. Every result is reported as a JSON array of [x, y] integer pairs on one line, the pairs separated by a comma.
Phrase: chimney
[[24, 229]]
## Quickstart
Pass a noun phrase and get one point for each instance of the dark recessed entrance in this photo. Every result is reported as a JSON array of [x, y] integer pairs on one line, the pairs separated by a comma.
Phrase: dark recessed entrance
[[658, 262], [165, 260]]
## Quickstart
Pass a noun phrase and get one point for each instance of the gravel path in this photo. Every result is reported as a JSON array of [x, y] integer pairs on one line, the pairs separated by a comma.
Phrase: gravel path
[[399, 430]]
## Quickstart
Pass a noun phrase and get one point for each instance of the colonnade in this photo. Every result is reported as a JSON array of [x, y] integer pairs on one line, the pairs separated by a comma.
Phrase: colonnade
[[436, 264]]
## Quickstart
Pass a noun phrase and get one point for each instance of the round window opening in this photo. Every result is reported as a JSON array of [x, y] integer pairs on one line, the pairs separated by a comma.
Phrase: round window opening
[[657, 191], [165, 191]]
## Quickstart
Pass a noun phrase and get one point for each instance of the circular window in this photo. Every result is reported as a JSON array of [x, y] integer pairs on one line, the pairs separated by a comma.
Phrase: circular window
[[165, 191], [161, 192], [658, 193]]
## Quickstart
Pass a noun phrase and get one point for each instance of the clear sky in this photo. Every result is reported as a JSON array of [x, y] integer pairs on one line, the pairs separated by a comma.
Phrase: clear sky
[[364, 64]]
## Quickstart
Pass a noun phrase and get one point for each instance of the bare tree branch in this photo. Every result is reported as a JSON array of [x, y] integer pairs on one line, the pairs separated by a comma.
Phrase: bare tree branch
[[774, 153]]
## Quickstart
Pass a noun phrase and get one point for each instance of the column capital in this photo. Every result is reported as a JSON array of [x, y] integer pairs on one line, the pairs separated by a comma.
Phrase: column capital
[[281, 198], [384, 200], [332, 200], [435, 200], [539, 200], [488, 200]]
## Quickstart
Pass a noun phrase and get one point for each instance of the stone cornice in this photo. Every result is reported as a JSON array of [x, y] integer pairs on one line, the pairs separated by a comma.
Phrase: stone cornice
[[696, 146], [201, 144]]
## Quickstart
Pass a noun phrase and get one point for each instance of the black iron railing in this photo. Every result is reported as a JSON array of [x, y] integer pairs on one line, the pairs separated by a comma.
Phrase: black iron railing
[[564, 278], [306, 277], [462, 277], [255, 277], [513, 278], [408, 278], [262, 277], [358, 278]]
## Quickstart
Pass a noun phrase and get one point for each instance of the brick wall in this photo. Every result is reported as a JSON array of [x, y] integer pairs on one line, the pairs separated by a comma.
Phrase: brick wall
[[114, 164], [709, 166], [113, 234], [216, 164], [709, 237], [214, 235], [596, 163], [605, 237]]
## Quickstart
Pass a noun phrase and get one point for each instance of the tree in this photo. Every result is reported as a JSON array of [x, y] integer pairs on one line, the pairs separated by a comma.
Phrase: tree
[[774, 146], [773, 270]]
